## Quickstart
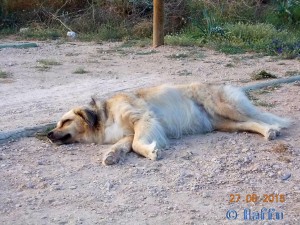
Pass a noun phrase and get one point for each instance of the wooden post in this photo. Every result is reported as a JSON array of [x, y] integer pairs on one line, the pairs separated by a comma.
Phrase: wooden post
[[158, 23]]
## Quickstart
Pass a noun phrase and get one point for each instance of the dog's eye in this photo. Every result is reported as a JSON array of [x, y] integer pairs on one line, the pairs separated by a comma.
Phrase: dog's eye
[[65, 122]]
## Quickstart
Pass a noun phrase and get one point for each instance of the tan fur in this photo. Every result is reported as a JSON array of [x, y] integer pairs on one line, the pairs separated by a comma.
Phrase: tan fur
[[143, 121]]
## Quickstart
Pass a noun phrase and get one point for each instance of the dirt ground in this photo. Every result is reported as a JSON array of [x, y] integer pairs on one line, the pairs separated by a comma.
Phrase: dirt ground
[[202, 179]]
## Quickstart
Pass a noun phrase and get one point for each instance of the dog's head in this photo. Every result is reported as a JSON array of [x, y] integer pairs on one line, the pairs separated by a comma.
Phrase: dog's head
[[78, 125]]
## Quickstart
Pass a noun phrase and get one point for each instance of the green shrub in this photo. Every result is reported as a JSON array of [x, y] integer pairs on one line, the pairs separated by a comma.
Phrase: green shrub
[[80, 70], [251, 32], [42, 34], [4, 74]]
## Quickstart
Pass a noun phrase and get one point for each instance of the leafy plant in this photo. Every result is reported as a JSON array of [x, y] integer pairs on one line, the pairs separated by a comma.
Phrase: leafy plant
[[4, 74], [288, 10], [80, 70], [49, 62], [287, 50]]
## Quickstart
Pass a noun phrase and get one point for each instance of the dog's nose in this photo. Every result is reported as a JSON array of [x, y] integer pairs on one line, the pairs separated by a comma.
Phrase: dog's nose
[[50, 135]]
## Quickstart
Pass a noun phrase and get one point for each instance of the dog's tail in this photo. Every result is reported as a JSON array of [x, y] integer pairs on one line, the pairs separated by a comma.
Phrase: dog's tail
[[272, 119], [237, 96]]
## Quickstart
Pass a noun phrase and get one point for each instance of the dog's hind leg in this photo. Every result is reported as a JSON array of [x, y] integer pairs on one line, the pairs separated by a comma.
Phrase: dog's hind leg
[[268, 131], [149, 137], [118, 151]]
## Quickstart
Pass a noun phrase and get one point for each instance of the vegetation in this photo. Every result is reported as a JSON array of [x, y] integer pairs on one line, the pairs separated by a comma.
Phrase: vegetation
[[267, 26], [263, 75], [80, 70], [46, 64], [4, 74]]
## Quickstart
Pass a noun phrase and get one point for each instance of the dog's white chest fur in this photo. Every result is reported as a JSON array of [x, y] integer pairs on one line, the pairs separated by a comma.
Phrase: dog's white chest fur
[[113, 133]]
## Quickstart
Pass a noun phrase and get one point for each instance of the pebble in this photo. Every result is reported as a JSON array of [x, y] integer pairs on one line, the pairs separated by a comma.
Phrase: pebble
[[108, 185], [271, 174], [72, 187], [276, 167], [56, 188], [247, 159], [40, 162], [286, 176], [30, 185], [50, 201], [205, 195], [245, 150]]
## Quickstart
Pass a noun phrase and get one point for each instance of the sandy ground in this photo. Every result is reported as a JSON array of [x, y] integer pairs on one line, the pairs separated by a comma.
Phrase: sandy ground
[[198, 181]]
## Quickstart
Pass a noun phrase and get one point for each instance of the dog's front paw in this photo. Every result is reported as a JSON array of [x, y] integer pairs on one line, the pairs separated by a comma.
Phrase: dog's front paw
[[110, 158]]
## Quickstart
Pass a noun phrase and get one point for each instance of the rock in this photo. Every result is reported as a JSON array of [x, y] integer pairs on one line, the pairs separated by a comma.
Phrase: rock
[[205, 195], [188, 155], [72, 187], [108, 185], [170, 208], [56, 188], [286, 176], [245, 150], [247, 159], [271, 174], [30, 185]]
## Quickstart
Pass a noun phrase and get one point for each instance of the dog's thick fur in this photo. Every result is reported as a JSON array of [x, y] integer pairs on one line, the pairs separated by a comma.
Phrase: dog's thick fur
[[143, 121]]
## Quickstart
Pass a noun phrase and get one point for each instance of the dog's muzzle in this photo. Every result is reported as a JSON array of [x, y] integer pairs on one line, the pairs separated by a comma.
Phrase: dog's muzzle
[[58, 137]]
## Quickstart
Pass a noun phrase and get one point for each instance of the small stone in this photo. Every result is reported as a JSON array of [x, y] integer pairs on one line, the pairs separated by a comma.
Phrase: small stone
[[72, 187], [245, 150], [271, 174], [247, 159], [30, 185], [188, 155], [205, 195], [276, 167], [108, 186], [286, 176], [50, 201], [56, 188]]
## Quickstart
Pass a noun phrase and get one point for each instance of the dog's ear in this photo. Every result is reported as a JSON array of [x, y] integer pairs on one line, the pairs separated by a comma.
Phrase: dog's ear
[[93, 101], [100, 107], [89, 116]]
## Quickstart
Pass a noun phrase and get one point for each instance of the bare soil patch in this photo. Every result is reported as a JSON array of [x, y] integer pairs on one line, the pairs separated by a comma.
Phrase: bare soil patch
[[41, 183]]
